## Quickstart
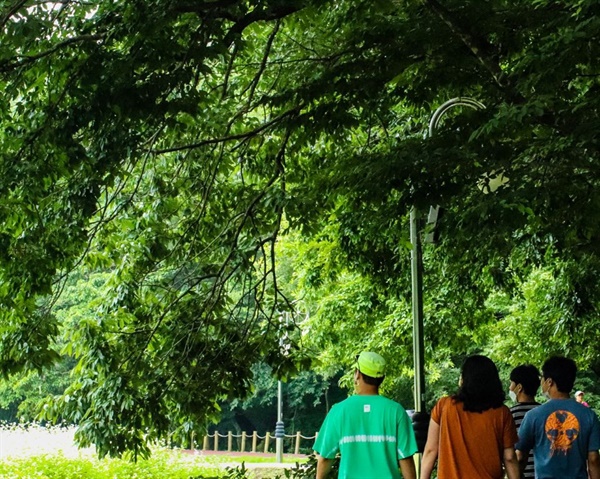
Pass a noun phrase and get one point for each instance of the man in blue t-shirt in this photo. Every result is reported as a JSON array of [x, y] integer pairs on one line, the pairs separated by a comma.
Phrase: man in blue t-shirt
[[564, 435]]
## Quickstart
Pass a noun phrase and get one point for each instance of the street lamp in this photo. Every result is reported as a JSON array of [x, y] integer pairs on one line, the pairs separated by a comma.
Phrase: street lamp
[[417, 261]]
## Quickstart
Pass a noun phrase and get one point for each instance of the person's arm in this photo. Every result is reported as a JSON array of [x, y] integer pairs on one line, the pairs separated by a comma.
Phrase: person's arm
[[520, 455], [511, 463], [430, 453], [522, 459], [593, 461], [526, 441], [407, 467], [323, 466]]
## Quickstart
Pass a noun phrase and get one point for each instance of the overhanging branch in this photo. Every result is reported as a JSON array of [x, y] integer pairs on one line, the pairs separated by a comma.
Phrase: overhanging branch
[[239, 136], [259, 16], [17, 62], [482, 49], [202, 7], [11, 11]]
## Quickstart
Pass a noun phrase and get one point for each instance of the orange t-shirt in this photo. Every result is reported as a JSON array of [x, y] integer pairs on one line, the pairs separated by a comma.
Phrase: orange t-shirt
[[471, 443]]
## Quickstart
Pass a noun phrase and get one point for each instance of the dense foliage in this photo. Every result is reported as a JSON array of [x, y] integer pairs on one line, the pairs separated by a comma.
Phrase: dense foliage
[[57, 466], [170, 144]]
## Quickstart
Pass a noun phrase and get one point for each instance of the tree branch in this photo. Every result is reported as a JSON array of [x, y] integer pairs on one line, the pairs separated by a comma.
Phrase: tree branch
[[13, 64], [239, 136], [482, 49], [12, 10], [205, 6], [263, 63], [258, 16]]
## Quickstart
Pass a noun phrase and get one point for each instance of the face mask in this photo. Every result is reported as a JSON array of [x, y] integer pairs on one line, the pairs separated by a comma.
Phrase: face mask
[[546, 394], [512, 395]]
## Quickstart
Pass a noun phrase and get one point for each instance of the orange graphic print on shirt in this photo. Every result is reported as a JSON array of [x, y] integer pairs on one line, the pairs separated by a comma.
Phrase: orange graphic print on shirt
[[562, 428]]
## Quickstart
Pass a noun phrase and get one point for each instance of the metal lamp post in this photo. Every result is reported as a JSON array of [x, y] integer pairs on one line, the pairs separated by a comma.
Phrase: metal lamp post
[[417, 262], [279, 425]]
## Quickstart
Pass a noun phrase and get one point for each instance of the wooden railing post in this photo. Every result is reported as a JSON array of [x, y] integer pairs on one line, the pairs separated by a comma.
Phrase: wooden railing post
[[245, 437]]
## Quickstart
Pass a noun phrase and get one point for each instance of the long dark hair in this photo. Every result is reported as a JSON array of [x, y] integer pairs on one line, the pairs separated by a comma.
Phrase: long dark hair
[[481, 388]]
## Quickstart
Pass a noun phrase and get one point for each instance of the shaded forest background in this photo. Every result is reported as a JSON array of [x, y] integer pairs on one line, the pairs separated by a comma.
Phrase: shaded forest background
[[198, 197]]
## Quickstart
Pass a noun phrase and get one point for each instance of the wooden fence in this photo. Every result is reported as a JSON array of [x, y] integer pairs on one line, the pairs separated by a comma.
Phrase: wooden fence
[[251, 442]]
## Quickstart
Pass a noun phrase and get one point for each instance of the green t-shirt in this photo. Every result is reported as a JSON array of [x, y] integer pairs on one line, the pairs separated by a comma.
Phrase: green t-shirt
[[371, 433]]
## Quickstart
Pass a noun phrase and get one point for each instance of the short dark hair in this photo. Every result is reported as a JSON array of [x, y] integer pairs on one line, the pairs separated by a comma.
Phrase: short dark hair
[[371, 381], [562, 371], [528, 376], [481, 387]]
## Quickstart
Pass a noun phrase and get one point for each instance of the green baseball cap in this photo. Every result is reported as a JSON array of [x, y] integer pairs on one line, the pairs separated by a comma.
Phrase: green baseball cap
[[371, 364]]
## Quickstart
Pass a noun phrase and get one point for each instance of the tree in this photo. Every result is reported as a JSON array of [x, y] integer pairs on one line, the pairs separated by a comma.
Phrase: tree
[[165, 141], [23, 394]]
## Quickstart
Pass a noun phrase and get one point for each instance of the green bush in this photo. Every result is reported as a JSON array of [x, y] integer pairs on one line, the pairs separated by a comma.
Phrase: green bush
[[162, 465]]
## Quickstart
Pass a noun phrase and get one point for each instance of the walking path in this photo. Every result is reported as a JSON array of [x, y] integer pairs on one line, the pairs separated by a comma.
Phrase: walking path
[[292, 458]]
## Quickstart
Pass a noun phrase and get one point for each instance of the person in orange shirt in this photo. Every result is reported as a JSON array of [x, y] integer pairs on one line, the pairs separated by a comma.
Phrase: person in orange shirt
[[472, 433]]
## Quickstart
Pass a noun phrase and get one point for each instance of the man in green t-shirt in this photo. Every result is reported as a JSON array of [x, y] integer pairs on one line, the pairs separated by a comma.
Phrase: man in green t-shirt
[[372, 433]]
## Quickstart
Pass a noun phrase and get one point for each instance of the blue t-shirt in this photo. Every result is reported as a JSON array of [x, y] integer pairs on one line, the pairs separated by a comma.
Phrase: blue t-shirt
[[371, 433], [561, 432]]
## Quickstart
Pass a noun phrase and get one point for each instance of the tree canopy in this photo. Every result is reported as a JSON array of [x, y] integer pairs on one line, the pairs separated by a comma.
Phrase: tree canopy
[[171, 144]]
